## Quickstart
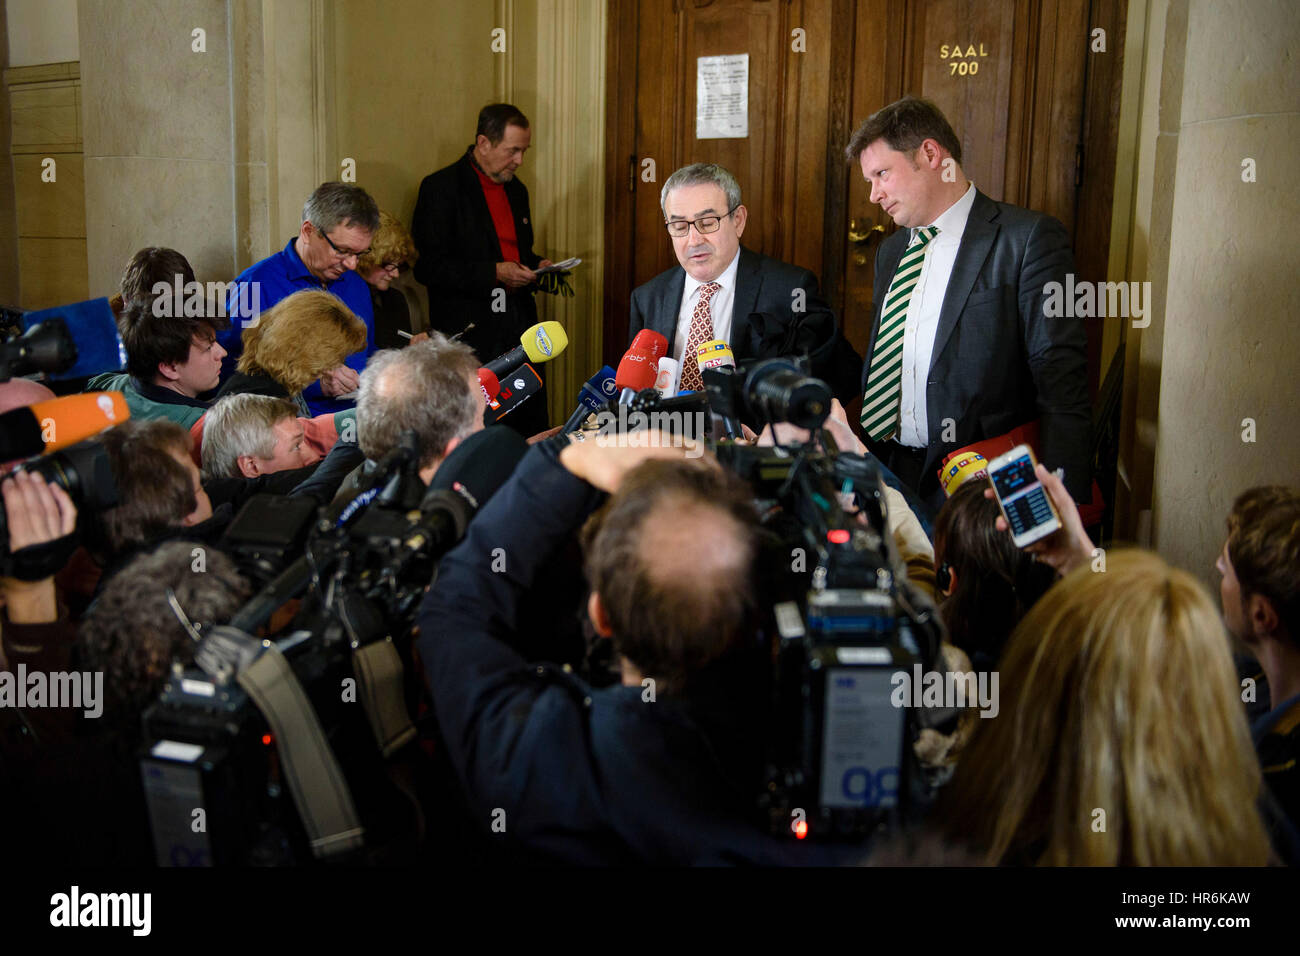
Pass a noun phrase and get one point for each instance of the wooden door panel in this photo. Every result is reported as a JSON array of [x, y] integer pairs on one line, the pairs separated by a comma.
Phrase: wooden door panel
[[1018, 105]]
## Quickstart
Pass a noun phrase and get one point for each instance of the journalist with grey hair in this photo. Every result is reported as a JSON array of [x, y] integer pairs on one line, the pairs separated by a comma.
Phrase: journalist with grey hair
[[247, 435], [429, 387], [338, 221]]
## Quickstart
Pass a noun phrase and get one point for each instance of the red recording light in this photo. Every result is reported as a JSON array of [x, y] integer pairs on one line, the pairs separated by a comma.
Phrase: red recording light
[[838, 536], [800, 829], [267, 740]]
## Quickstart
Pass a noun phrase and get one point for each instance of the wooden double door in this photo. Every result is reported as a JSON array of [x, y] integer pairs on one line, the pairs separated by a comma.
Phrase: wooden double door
[[1030, 86]]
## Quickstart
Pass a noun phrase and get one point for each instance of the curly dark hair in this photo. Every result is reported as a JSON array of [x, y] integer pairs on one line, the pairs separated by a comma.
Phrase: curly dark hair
[[131, 632]]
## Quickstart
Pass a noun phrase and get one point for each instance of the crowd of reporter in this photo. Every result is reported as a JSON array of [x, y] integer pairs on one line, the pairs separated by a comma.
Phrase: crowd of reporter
[[599, 571]]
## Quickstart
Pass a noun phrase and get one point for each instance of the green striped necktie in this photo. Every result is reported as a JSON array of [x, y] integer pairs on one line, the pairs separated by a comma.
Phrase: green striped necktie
[[884, 381]]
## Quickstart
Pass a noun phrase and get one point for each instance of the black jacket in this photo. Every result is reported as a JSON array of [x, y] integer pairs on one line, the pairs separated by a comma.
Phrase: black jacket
[[999, 361], [573, 773], [768, 318], [453, 231]]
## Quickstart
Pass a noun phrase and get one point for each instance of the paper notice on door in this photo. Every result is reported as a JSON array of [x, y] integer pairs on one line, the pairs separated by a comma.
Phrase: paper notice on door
[[722, 96]]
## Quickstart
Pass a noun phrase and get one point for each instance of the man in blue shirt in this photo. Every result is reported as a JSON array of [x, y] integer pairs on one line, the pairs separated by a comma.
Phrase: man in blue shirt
[[338, 221]]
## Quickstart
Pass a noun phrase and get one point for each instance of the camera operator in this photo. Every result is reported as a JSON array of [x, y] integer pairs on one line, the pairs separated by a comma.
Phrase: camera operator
[[38, 514], [661, 768], [37, 635]]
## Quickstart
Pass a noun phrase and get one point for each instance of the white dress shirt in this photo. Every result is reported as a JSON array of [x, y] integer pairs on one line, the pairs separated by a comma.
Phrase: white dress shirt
[[923, 319], [720, 306]]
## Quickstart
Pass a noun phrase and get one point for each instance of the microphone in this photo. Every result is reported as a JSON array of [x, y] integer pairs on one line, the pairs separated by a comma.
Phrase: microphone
[[717, 354], [540, 343], [593, 395], [648, 340], [95, 343], [522, 385], [490, 384], [666, 376], [714, 354], [640, 363], [56, 423]]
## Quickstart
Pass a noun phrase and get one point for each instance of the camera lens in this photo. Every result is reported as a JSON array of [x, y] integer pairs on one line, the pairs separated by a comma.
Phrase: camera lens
[[779, 392]]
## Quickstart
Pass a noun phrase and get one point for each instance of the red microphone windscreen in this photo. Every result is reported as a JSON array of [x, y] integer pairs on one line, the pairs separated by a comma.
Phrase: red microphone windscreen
[[490, 385], [648, 340], [638, 369]]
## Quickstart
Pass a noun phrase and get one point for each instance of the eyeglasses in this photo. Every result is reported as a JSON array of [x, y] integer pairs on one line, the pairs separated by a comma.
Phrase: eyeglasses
[[705, 225], [398, 267], [340, 253]]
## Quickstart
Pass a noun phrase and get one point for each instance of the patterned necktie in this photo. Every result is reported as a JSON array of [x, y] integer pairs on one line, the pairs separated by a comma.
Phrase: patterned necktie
[[884, 381], [701, 332]]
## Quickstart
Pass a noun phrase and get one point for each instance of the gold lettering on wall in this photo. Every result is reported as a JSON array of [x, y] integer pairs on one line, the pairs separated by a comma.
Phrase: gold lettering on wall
[[964, 57]]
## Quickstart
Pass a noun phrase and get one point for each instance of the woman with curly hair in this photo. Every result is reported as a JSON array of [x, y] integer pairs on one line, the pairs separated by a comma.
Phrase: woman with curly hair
[[392, 252], [1120, 738], [292, 343]]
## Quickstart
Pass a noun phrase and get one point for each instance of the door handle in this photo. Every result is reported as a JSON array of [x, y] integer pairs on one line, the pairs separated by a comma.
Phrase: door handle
[[861, 233]]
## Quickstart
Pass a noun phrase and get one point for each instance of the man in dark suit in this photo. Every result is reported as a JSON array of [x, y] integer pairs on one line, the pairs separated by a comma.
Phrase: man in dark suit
[[760, 306], [965, 350], [473, 229]]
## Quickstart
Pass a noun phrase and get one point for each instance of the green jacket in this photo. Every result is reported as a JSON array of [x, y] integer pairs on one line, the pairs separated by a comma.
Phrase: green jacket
[[150, 401]]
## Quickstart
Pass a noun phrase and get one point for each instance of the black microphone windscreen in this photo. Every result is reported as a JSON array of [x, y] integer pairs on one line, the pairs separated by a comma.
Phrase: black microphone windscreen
[[480, 464], [20, 435]]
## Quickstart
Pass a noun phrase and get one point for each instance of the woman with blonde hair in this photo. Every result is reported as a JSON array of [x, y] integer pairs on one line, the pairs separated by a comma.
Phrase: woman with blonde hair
[[292, 343], [392, 253], [1120, 738]]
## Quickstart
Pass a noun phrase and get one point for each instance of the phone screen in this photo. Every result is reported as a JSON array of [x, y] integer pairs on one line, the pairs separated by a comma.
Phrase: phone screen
[[1022, 495]]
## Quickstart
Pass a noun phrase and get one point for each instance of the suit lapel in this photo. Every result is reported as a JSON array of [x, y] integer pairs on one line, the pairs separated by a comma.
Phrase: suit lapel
[[668, 306], [976, 244], [749, 276]]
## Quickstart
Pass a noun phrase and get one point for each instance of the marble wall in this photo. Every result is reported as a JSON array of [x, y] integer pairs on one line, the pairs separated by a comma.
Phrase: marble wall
[[1213, 385], [1231, 356]]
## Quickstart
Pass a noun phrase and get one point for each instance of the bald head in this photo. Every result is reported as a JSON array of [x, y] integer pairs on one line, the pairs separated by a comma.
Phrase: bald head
[[671, 559]]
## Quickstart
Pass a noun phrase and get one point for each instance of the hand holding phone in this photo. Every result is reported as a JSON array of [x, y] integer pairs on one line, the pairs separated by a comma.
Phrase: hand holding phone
[[1067, 547], [1027, 509]]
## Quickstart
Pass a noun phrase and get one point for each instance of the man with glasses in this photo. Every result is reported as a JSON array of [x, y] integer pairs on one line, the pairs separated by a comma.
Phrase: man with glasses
[[338, 222], [759, 306]]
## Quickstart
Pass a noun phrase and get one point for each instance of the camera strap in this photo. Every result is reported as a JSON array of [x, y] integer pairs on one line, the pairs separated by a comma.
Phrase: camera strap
[[379, 677], [319, 788]]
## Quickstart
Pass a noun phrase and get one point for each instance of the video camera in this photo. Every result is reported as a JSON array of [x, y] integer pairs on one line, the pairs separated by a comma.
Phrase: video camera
[[839, 760], [319, 705]]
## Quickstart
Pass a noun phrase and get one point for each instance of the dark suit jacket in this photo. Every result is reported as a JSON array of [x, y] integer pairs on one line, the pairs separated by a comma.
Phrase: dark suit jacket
[[998, 361], [766, 287], [459, 250]]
